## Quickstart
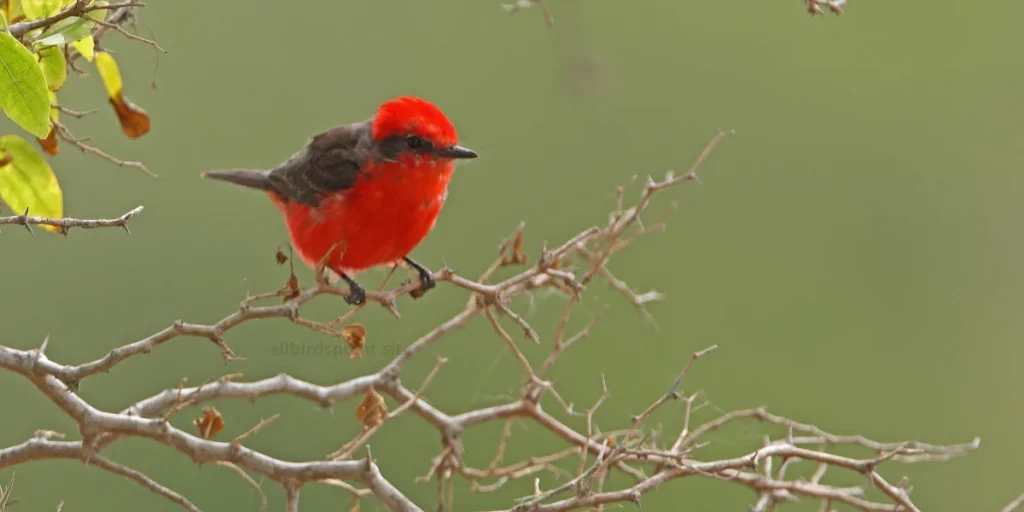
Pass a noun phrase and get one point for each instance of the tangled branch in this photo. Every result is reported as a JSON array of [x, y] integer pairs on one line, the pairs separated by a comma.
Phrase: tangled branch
[[634, 449]]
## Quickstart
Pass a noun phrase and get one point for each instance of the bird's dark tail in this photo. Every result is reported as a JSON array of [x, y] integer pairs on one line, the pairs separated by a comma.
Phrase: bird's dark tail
[[259, 180]]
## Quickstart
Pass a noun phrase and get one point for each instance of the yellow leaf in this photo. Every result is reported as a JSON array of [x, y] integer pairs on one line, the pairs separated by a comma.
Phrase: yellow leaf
[[54, 111], [85, 46], [38, 9], [28, 182], [13, 11], [111, 76], [54, 66]]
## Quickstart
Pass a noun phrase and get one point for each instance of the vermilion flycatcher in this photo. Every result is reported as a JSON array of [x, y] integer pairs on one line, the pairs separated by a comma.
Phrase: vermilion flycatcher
[[369, 192]]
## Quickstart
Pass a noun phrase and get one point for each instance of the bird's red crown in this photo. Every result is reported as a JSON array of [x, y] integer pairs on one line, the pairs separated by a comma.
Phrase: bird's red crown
[[411, 115]]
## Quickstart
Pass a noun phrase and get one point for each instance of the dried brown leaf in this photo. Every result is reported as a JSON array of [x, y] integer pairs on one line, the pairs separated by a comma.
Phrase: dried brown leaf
[[355, 335], [282, 258], [134, 120], [210, 423], [373, 410], [49, 144]]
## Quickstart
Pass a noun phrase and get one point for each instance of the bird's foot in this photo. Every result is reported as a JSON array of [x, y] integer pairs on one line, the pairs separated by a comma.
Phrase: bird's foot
[[356, 294], [427, 281]]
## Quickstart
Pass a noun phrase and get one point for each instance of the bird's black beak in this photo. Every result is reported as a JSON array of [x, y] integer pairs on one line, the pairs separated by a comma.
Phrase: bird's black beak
[[456, 152]]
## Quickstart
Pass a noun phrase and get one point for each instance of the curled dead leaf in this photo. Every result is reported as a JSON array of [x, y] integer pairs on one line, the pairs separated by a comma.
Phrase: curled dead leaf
[[210, 423], [355, 335], [49, 144], [373, 410]]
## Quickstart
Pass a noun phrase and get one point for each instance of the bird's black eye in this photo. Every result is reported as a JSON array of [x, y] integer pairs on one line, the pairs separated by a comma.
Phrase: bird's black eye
[[414, 142]]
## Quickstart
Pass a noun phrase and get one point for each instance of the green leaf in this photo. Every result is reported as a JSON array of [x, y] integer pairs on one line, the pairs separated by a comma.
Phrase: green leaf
[[23, 93], [67, 30], [39, 9], [27, 181], [54, 66]]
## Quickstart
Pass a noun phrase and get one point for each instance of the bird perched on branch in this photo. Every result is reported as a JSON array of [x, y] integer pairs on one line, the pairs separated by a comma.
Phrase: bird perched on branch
[[365, 194]]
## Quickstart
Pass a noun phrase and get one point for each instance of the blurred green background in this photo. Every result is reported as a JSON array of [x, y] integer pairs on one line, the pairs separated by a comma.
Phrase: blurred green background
[[854, 249]]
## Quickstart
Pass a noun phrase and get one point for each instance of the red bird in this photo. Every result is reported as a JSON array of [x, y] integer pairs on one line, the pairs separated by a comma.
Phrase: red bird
[[370, 190]]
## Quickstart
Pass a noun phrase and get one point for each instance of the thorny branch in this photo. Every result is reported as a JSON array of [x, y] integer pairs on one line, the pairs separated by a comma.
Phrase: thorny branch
[[634, 449], [66, 223]]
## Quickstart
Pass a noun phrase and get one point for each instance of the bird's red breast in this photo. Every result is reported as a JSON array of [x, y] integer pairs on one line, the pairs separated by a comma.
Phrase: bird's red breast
[[387, 212]]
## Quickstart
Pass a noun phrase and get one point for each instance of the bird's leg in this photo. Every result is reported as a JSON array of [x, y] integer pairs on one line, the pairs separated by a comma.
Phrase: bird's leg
[[426, 276], [356, 294]]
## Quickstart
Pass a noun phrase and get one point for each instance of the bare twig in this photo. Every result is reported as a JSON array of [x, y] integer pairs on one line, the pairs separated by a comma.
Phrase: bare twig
[[116, 27], [74, 113], [67, 136]]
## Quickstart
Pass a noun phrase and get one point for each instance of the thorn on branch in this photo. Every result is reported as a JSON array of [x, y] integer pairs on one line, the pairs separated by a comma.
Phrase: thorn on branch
[[253, 431]]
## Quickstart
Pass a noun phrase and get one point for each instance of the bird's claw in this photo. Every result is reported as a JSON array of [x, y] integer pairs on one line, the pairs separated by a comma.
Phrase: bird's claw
[[427, 281], [356, 295]]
